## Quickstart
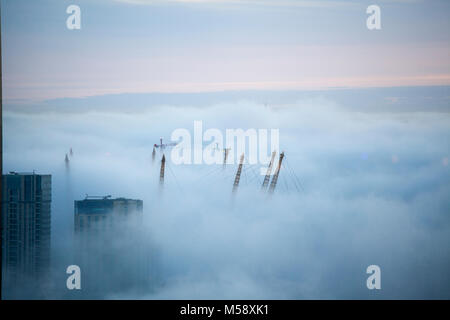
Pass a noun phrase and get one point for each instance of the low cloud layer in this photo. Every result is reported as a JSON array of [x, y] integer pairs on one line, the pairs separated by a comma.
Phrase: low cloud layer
[[374, 190]]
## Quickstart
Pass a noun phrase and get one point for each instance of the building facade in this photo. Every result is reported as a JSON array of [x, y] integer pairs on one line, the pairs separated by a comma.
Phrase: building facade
[[109, 244], [94, 214], [26, 225]]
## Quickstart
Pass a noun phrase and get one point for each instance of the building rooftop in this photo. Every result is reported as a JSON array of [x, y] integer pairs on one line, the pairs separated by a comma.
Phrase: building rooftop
[[101, 204], [15, 173], [107, 197]]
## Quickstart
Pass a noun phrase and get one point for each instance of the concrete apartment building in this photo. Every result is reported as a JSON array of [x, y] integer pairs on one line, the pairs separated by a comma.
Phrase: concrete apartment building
[[26, 225]]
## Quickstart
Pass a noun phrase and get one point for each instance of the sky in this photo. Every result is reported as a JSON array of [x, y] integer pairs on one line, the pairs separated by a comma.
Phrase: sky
[[363, 118], [127, 46]]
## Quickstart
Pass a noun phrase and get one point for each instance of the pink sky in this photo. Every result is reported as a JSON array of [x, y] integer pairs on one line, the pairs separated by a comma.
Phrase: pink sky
[[237, 68]]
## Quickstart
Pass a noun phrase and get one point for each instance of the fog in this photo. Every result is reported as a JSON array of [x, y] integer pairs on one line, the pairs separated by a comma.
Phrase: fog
[[374, 190]]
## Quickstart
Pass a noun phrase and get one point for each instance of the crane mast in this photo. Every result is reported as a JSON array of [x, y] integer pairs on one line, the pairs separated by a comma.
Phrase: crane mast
[[161, 172], [269, 171], [225, 156], [238, 174], [273, 183]]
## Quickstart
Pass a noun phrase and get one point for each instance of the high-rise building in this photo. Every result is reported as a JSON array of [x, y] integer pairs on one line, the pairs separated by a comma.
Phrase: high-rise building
[[99, 213], [26, 222], [110, 247]]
